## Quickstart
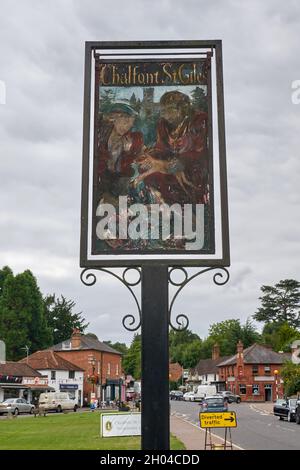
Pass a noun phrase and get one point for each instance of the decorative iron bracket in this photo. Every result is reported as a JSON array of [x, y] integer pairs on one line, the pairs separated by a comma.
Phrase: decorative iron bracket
[[129, 321], [181, 319]]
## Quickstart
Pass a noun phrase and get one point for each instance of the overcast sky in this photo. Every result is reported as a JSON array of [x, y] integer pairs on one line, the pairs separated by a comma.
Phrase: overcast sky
[[42, 55]]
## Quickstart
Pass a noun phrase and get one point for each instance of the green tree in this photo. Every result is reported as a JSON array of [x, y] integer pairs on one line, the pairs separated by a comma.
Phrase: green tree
[[121, 347], [184, 347], [22, 318], [132, 359], [290, 373], [92, 336], [4, 272], [61, 319], [227, 334], [280, 303], [279, 335]]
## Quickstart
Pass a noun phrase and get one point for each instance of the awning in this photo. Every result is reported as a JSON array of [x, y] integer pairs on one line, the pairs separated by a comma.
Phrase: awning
[[20, 386], [39, 387]]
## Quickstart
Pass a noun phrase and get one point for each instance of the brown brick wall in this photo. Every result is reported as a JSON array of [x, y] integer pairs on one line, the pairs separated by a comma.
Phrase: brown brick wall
[[108, 366], [247, 378]]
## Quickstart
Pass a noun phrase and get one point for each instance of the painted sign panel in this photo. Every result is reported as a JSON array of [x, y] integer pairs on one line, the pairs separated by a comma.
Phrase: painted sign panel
[[154, 188], [225, 419], [152, 168], [120, 424]]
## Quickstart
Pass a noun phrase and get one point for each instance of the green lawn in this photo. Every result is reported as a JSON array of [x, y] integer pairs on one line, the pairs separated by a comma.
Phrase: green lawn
[[73, 431]]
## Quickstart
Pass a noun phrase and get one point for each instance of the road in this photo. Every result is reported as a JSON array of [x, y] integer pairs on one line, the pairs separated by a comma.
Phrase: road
[[256, 430]]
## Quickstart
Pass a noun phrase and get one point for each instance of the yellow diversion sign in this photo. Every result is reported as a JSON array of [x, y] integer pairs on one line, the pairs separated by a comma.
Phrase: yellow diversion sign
[[224, 419]]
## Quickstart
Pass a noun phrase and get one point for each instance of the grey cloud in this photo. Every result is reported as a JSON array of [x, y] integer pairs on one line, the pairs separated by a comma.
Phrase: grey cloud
[[42, 62]]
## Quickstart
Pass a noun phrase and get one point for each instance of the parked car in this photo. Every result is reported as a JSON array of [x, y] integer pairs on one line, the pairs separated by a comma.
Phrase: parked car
[[176, 395], [57, 401], [16, 406], [286, 409], [297, 413], [189, 396], [230, 397], [213, 403]]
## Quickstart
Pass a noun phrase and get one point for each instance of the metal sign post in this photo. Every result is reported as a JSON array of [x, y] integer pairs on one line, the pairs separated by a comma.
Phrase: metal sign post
[[148, 189], [155, 358]]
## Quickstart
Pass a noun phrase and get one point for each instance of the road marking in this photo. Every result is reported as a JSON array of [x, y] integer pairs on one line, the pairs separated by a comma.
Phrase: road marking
[[262, 412], [198, 427]]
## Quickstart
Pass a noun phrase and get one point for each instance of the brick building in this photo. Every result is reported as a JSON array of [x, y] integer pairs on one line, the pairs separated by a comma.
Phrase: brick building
[[101, 365], [254, 373]]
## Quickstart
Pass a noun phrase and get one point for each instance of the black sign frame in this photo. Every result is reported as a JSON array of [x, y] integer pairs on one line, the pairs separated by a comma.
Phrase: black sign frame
[[172, 47]]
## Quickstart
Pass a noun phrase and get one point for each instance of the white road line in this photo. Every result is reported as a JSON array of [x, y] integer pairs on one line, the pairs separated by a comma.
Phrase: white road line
[[214, 435]]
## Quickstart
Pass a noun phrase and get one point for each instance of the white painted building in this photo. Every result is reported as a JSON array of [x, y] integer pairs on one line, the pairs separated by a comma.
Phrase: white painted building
[[62, 375], [206, 372]]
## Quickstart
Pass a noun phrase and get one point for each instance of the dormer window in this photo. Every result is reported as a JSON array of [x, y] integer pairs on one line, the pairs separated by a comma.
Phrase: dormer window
[[66, 344]]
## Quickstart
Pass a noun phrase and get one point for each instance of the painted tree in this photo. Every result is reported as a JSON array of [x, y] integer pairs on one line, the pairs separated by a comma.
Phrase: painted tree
[[280, 303], [61, 318]]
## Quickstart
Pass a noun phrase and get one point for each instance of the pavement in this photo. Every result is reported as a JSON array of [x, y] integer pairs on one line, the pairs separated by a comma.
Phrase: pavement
[[193, 437]]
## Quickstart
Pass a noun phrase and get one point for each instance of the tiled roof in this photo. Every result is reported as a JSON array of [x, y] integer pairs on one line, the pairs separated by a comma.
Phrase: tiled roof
[[208, 366], [18, 369], [258, 354], [87, 343], [48, 359]]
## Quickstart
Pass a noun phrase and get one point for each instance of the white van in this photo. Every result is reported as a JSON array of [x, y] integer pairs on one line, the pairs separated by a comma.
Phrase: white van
[[57, 401], [204, 390]]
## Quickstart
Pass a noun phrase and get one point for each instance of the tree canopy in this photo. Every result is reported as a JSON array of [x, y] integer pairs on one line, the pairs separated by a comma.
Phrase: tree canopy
[[280, 303], [22, 320], [132, 360], [227, 334], [61, 318]]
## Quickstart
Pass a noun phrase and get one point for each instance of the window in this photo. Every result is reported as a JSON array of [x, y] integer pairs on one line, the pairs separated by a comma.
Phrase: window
[[255, 389], [267, 369], [255, 369], [242, 389], [53, 375], [117, 369], [71, 374], [108, 368]]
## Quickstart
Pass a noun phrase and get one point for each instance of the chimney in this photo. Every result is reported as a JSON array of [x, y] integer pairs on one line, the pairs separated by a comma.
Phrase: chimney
[[215, 351], [76, 339]]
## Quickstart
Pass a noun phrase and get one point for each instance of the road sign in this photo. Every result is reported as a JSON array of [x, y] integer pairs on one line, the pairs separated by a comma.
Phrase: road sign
[[225, 419]]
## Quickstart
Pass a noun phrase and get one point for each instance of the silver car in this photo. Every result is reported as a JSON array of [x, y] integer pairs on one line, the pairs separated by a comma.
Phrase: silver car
[[16, 406]]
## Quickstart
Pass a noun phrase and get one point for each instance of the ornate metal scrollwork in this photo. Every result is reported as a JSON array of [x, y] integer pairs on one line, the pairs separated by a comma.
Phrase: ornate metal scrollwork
[[129, 321], [182, 320]]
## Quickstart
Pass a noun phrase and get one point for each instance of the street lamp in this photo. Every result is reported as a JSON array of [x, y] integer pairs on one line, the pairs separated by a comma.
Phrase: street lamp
[[276, 382]]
